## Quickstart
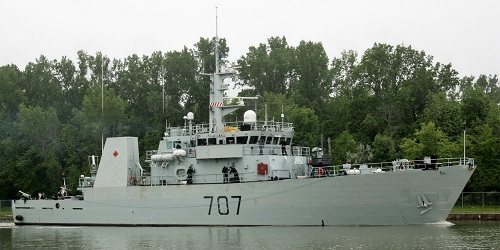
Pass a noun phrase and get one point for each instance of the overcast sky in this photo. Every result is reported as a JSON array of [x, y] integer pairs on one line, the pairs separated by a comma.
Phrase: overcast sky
[[465, 33]]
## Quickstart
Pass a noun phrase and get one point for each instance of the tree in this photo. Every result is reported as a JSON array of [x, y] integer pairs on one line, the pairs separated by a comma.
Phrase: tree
[[343, 145], [343, 72], [484, 149], [428, 141], [37, 168], [113, 115], [41, 87], [268, 67], [305, 122], [311, 85], [363, 154], [66, 74], [39, 129], [10, 92], [475, 106], [382, 148], [445, 113]]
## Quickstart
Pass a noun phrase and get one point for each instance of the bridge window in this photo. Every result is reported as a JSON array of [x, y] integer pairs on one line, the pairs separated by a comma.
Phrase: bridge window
[[242, 139], [253, 139], [276, 140], [202, 142], [269, 139], [229, 140], [212, 141]]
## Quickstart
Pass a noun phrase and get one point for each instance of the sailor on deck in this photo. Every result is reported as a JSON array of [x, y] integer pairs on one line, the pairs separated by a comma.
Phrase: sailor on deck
[[236, 177], [190, 173], [283, 148]]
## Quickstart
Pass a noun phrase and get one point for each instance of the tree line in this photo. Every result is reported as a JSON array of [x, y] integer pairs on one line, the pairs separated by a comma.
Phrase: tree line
[[389, 102]]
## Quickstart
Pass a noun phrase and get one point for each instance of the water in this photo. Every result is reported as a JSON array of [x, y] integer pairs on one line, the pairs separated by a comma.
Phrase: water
[[462, 235]]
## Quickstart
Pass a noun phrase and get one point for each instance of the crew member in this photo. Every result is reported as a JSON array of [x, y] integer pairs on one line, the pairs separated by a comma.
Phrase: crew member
[[225, 171], [236, 177], [283, 147], [190, 173]]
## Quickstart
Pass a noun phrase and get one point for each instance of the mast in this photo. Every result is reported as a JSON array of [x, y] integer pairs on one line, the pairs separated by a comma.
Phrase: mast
[[102, 104], [465, 128], [217, 88]]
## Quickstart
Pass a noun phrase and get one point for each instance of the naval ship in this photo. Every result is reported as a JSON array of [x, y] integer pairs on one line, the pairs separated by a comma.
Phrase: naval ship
[[246, 174]]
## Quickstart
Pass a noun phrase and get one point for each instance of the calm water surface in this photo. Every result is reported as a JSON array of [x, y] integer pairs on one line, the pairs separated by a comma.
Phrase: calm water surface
[[461, 235]]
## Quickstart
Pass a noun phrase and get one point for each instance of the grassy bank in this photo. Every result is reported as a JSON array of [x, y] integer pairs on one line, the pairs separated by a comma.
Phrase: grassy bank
[[5, 211]]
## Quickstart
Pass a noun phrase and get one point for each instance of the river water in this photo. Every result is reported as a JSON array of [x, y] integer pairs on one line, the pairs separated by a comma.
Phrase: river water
[[461, 235]]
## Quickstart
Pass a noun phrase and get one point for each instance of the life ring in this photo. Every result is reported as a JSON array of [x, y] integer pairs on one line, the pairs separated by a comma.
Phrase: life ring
[[320, 172], [180, 173]]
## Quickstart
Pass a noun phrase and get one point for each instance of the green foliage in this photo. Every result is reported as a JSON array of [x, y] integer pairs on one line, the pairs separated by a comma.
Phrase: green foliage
[[445, 113], [268, 67], [381, 148], [363, 154], [113, 112], [39, 129], [427, 141], [10, 92], [343, 145], [485, 151], [305, 121]]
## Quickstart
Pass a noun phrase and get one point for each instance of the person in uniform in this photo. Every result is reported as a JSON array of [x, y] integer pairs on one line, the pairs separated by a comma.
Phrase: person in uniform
[[225, 171], [283, 147], [190, 173], [236, 177]]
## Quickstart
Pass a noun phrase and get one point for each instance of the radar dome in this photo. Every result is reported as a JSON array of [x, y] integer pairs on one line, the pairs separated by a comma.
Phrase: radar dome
[[249, 117]]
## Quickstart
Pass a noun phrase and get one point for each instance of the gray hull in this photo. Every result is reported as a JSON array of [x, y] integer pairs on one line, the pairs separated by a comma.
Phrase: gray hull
[[392, 198]]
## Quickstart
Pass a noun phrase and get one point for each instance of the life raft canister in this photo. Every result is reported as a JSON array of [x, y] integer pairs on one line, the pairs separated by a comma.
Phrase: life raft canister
[[262, 169]]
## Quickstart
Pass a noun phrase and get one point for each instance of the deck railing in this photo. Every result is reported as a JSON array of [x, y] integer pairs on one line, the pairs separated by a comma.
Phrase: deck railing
[[404, 164]]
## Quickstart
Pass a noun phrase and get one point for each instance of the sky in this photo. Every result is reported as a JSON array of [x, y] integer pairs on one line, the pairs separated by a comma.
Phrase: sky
[[465, 33]]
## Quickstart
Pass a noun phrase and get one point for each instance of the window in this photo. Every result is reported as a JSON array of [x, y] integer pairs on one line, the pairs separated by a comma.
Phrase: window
[[212, 141], [202, 142], [269, 139], [253, 139], [276, 140], [229, 140], [242, 139]]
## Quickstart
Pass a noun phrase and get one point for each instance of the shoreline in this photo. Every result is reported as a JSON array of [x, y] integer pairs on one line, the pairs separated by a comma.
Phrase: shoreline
[[451, 217], [474, 217]]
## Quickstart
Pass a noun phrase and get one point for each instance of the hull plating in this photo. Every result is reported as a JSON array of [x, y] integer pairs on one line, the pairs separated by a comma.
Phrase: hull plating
[[393, 198]]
